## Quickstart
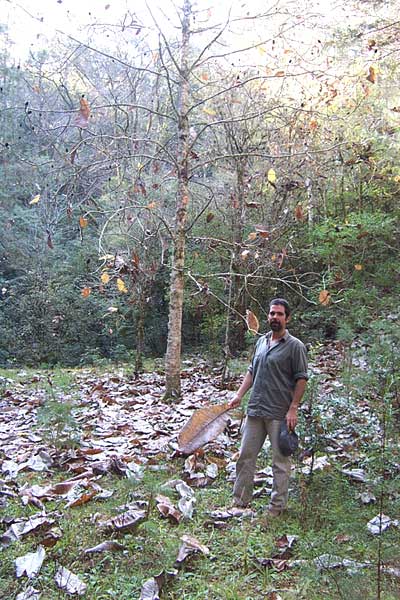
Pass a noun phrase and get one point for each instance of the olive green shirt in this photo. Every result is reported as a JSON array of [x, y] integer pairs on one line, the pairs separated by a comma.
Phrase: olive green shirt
[[275, 372]]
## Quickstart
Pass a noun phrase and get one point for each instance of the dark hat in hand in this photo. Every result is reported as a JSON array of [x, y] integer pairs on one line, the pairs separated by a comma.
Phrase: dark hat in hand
[[288, 440]]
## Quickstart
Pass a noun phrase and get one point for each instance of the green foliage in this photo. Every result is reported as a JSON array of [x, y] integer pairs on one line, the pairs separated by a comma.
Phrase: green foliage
[[56, 418]]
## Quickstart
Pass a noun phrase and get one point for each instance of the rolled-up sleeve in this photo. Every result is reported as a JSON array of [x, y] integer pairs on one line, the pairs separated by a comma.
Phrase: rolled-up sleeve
[[300, 362]]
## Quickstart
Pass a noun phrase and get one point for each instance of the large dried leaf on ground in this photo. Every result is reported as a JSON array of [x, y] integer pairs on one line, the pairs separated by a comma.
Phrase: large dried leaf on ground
[[274, 563], [107, 546], [190, 546], [232, 513], [330, 561], [29, 594], [22, 527], [380, 523], [30, 564], [166, 508], [82, 499], [125, 523], [152, 587], [69, 582], [203, 426]]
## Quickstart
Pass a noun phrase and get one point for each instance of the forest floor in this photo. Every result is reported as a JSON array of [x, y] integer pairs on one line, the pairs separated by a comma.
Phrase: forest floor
[[96, 501]]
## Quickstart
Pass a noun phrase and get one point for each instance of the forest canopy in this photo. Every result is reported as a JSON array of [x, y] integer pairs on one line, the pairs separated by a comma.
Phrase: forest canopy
[[162, 178]]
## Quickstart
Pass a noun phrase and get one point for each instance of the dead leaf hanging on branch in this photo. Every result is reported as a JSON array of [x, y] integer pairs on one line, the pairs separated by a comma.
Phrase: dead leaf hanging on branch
[[84, 113], [252, 322], [324, 297]]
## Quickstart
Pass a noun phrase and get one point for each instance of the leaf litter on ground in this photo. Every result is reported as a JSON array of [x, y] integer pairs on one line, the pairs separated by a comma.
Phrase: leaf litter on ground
[[128, 428]]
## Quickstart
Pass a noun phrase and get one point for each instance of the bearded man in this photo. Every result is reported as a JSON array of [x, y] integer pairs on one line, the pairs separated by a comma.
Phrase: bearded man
[[278, 378]]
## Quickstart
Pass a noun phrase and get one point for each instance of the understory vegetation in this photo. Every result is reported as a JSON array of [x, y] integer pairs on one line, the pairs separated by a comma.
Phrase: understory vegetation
[[338, 538], [163, 176]]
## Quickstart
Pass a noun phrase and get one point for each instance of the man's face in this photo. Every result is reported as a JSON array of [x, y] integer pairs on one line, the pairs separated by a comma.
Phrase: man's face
[[277, 318]]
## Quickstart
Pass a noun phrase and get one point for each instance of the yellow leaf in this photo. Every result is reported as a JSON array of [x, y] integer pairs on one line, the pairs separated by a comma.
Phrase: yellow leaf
[[358, 267], [324, 297], [271, 176], [86, 292], [280, 74], [372, 75], [83, 222], [245, 254], [252, 235], [105, 278], [35, 200], [252, 321], [121, 286], [299, 213], [209, 111], [107, 257], [262, 50]]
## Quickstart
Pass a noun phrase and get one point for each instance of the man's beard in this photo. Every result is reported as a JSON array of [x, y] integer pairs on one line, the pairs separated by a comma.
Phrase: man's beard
[[276, 326]]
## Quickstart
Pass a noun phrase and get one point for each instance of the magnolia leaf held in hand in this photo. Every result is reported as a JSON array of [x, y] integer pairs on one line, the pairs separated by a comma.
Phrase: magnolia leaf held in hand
[[203, 426]]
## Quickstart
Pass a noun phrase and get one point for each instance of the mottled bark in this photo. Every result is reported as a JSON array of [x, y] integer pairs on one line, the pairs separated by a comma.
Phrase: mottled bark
[[177, 282]]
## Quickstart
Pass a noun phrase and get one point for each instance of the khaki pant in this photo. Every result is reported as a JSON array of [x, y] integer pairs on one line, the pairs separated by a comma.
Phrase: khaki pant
[[255, 431]]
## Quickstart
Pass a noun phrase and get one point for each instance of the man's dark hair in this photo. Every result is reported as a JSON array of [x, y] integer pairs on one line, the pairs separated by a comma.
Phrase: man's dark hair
[[283, 303]]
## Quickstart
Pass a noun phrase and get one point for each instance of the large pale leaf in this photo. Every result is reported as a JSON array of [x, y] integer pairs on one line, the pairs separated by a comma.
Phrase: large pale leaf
[[152, 587], [126, 522], [30, 563], [29, 594], [190, 546], [203, 426], [107, 546], [69, 582]]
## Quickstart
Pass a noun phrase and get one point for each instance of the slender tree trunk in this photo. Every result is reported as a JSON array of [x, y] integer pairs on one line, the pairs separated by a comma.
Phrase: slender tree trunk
[[238, 328], [140, 333], [311, 200], [226, 350], [177, 282]]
